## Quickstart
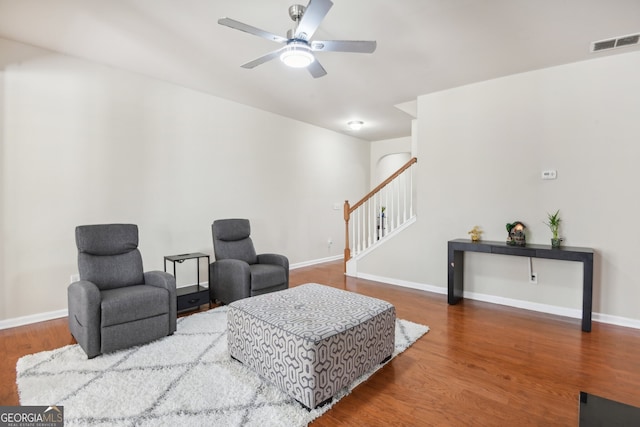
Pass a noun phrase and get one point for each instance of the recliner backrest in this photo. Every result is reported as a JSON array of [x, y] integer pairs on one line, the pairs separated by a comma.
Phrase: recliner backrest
[[231, 240], [108, 255]]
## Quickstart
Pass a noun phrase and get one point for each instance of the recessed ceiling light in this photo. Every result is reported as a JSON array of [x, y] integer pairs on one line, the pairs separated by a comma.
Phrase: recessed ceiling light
[[355, 124]]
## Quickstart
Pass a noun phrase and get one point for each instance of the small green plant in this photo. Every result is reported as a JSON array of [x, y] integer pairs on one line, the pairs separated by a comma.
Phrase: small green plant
[[554, 223]]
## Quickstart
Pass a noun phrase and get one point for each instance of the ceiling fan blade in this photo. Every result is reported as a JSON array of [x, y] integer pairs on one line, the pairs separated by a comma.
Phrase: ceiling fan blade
[[268, 57], [356, 46], [313, 16], [237, 25], [316, 69]]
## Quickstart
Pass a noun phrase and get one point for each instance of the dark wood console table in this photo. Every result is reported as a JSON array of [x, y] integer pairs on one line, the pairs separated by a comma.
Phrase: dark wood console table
[[457, 248]]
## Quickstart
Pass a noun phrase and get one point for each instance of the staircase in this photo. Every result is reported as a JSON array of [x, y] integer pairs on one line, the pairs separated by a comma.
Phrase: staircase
[[384, 212]]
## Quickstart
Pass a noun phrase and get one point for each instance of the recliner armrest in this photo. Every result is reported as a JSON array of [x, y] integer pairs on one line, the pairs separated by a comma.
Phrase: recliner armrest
[[85, 296], [83, 300], [276, 259], [161, 279]]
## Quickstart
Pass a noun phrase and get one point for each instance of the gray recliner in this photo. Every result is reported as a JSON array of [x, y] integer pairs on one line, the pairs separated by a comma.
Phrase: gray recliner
[[115, 304], [238, 272]]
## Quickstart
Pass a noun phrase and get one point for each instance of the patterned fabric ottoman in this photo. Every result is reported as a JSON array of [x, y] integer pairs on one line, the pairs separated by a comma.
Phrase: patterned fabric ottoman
[[311, 340]]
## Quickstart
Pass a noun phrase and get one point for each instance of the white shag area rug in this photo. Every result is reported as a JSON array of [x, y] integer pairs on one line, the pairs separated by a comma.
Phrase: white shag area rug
[[187, 379]]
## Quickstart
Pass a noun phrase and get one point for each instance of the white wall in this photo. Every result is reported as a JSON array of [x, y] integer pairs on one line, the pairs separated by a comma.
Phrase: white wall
[[83, 143], [482, 149]]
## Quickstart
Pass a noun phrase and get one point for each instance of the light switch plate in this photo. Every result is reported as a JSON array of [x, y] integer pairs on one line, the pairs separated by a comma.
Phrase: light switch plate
[[549, 174]]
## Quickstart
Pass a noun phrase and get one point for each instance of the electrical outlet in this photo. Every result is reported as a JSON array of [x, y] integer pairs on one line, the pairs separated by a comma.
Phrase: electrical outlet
[[533, 278], [330, 241]]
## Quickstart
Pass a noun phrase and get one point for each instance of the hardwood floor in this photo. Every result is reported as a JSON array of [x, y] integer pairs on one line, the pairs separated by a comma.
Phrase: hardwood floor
[[480, 364]]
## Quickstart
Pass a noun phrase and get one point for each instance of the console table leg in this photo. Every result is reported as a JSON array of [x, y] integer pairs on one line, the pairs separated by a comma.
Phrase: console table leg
[[587, 294], [455, 285]]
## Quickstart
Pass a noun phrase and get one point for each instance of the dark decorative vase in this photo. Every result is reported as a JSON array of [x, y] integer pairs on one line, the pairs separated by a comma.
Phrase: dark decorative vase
[[555, 243]]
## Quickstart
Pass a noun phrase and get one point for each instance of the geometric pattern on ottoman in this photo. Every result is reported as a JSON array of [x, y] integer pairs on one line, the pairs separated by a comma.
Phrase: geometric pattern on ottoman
[[311, 340]]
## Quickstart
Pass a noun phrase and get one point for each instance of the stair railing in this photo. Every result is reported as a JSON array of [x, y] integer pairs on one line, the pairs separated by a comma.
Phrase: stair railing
[[384, 209]]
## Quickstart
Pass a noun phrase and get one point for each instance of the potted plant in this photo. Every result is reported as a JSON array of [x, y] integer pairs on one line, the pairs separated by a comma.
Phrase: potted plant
[[553, 221]]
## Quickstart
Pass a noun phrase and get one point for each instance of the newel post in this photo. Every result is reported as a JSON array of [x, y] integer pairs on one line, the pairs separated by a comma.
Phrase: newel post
[[347, 250]]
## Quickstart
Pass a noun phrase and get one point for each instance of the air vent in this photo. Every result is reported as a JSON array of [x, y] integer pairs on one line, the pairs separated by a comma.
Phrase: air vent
[[622, 41], [603, 44], [629, 40]]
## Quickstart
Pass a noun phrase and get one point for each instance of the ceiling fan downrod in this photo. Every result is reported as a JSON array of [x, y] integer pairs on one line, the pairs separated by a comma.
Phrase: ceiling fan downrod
[[296, 12]]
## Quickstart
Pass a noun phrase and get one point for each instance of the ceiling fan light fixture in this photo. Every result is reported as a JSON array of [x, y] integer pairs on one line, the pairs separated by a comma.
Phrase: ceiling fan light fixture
[[297, 55], [355, 124]]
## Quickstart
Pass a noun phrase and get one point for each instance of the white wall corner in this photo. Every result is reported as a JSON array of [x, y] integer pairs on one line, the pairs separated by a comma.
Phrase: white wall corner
[[352, 268]]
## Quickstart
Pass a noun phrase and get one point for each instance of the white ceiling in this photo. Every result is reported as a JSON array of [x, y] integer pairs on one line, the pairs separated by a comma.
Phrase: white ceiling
[[423, 46]]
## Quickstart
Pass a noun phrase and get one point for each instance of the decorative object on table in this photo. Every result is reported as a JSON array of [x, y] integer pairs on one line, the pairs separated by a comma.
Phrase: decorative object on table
[[475, 233], [554, 224], [516, 235]]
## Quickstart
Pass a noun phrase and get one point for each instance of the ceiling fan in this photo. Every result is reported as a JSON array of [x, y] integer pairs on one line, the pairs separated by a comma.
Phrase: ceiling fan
[[298, 47]]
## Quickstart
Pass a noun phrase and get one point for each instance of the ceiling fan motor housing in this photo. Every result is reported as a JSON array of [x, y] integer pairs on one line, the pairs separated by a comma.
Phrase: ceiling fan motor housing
[[296, 11]]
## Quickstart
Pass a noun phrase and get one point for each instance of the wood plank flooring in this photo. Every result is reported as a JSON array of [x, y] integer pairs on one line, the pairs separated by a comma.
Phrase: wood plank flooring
[[481, 364]]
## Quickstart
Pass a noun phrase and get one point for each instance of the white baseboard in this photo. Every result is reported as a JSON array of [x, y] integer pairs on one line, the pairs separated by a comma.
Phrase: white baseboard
[[315, 261], [42, 317], [527, 305], [616, 320], [403, 283], [32, 318]]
